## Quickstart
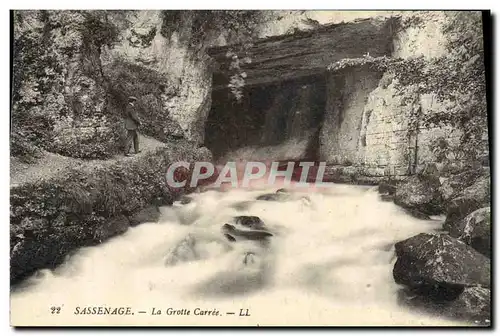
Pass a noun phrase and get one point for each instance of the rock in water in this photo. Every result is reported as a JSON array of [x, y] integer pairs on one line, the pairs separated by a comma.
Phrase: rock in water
[[387, 198], [468, 200], [417, 214], [420, 193], [475, 230], [185, 200], [252, 222], [438, 260], [387, 187], [273, 197], [233, 232], [474, 305], [249, 258], [229, 237], [182, 252], [471, 305]]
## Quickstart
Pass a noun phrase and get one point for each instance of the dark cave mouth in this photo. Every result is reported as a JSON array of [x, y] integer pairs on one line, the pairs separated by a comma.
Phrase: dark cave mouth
[[279, 121]]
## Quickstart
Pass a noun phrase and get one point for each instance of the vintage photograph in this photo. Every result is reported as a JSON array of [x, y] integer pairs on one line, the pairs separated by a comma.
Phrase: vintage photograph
[[250, 168]]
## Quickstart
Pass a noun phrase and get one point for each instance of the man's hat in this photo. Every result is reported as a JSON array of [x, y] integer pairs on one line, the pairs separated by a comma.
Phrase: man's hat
[[132, 98]]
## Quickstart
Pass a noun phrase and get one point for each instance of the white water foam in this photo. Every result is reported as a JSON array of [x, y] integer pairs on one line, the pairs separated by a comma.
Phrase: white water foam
[[329, 263]]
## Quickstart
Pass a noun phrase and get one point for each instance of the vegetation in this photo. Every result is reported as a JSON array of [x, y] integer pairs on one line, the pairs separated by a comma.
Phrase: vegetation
[[77, 208], [239, 27], [457, 79], [207, 25], [58, 97], [65, 101]]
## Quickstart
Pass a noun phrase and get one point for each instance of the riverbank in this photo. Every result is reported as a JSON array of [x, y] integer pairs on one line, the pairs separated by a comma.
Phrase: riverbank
[[65, 204], [446, 273]]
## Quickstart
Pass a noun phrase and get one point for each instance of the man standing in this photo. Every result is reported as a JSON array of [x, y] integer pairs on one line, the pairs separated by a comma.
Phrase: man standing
[[132, 122]]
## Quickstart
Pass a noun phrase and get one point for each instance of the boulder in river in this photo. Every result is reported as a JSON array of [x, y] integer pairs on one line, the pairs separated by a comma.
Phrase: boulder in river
[[429, 261], [234, 234], [457, 210], [475, 230], [471, 305], [468, 200], [386, 197], [273, 197], [184, 251], [252, 222], [420, 192], [185, 200], [387, 187], [417, 214]]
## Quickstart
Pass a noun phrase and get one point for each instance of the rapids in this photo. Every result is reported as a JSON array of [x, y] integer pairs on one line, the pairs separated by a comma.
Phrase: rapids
[[329, 262]]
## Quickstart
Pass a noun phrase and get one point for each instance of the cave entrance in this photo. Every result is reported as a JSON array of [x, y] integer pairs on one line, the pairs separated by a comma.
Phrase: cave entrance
[[277, 115], [285, 88]]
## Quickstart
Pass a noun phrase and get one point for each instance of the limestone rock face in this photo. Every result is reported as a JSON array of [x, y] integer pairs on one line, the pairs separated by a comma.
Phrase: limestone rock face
[[183, 87]]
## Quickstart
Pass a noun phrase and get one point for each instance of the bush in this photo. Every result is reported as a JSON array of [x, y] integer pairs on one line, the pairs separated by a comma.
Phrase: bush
[[22, 148], [152, 90], [89, 138]]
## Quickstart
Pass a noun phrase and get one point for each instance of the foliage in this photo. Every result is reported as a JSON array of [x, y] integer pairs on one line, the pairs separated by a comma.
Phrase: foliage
[[56, 74], [152, 90], [22, 148], [236, 26], [142, 40], [457, 80], [379, 63], [237, 80], [207, 25], [90, 138]]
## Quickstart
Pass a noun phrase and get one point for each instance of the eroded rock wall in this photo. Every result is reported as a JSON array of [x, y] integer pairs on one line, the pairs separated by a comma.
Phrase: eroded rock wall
[[340, 139], [372, 125]]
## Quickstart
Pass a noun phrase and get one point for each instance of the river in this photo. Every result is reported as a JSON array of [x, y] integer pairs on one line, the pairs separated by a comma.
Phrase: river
[[329, 262]]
